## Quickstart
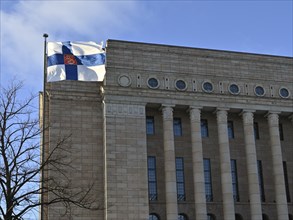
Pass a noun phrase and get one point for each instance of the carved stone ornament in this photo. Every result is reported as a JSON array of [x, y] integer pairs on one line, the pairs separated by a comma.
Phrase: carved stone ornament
[[124, 110]]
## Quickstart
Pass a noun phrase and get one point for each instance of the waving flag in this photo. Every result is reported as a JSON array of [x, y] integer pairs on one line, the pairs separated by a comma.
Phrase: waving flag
[[83, 61]]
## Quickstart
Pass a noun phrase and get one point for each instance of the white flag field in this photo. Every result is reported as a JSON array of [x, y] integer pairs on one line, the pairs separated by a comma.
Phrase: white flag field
[[83, 61]]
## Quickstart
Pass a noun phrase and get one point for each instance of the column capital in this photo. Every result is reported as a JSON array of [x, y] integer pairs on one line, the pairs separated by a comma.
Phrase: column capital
[[166, 106], [247, 116], [222, 109], [246, 111], [167, 111], [194, 107], [222, 114], [273, 118], [272, 113], [194, 113]]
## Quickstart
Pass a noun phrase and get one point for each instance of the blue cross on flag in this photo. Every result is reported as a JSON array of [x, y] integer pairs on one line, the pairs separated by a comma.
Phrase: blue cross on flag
[[83, 61]]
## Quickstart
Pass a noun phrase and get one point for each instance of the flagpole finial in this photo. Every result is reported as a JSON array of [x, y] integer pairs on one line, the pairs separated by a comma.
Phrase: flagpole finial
[[45, 35]]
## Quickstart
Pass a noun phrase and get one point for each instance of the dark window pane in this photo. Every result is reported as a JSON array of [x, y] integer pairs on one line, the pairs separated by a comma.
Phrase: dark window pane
[[256, 130], [208, 180], [259, 91], [207, 87], [204, 128], [281, 132], [230, 130], [260, 181], [180, 179], [150, 125], [180, 84], [153, 83], [177, 127], [152, 179], [286, 181], [234, 181]]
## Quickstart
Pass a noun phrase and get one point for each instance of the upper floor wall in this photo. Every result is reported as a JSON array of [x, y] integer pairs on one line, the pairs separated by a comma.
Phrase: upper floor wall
[[160, 72]]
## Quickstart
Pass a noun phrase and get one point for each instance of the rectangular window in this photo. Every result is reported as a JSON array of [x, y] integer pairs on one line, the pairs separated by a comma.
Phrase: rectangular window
[[260, 181], [286, 181], [152, 178], [230, 130], [281, 132], [234, 181], [208, 180], [180, 179], [177, 127], [256, 131], [150, 125], [204, 128]]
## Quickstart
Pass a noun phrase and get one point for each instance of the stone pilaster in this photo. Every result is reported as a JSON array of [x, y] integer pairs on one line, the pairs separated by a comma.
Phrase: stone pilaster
[[169, 160], [251, 163], [197, 164], [278, 172], [226, 178], [126, 184]]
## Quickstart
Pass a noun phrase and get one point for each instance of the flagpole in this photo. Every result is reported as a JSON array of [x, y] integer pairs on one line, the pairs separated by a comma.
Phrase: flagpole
[[43, 126]]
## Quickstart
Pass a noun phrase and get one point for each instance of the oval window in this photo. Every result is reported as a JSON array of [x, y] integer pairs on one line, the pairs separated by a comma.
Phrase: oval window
[[153, 83], [180, 85], [259, 91], [284, 93], [234, 89], [124, 81], [207, 87]]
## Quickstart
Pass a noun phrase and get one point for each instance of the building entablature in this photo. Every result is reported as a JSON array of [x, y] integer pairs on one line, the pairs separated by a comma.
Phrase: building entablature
[[208, 102]]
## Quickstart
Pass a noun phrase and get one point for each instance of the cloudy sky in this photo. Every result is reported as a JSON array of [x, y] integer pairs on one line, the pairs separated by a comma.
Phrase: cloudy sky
[[249, 26]]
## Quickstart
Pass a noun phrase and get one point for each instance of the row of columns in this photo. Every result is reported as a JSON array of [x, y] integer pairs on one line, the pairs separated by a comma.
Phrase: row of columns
[[226, 178]]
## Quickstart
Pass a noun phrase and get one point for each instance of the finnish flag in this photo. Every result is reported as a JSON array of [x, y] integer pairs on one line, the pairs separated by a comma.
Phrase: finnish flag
[[83, 61]]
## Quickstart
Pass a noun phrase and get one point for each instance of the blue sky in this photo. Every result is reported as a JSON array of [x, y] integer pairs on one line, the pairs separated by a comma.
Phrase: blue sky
[[248, 26]]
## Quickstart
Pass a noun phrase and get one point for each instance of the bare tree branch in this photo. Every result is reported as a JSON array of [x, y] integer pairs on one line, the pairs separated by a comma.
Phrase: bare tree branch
[[21, 164]]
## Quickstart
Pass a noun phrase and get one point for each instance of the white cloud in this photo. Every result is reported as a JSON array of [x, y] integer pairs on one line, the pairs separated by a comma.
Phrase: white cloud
[[24, 23]]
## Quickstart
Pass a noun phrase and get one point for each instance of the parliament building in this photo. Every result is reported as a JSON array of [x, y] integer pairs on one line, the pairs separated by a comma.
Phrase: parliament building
[[179, 133]]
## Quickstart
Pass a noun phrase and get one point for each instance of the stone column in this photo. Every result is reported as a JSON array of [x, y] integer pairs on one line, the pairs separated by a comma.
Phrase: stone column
[[251, 163], [226, 177], [169, 162], [197, 165], [278, 172]]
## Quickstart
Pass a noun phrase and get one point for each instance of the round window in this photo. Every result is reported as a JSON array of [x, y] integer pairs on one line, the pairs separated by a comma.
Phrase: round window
[[259, 91], [124, 80], [234, 89], [284, 93], [207, 87], [180, 85], [153, 83]]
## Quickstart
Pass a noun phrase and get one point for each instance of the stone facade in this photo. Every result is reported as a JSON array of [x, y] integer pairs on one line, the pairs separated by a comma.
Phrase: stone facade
[[110, 145]]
